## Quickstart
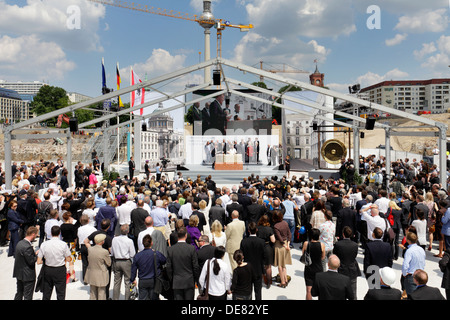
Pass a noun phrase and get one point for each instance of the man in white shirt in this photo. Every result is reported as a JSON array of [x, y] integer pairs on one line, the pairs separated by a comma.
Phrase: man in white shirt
[[382, 202], [124, 211], [56, 253], [55, 197], [186, 210], [122, 251], [158, 239], [225, 197], [52, 221], [373, 220]]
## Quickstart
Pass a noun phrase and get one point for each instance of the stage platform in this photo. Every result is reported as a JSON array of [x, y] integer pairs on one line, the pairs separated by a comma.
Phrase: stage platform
[[231, 177]]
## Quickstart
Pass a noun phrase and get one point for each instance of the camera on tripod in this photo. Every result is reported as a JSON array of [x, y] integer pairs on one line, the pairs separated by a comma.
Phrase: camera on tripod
[[164, 162]]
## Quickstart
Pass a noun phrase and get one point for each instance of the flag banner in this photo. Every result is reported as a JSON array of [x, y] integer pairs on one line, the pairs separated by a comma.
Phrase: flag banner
[[118, 85], [103, 74], [137, 96]]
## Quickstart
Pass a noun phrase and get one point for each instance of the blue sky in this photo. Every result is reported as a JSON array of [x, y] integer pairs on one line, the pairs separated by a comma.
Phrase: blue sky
[[36, 44]]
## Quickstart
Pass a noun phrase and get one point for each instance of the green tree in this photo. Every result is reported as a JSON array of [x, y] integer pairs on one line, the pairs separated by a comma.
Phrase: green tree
[[49, 99]]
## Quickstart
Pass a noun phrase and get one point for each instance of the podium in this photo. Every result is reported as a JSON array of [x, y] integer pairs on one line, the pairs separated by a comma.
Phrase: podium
[[229, 162]]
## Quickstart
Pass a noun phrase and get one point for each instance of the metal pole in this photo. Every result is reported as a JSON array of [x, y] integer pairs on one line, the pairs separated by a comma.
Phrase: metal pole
[[207, 71], [356, 149], [8, 159], [443, 156], [69, 160], [388, 156], [137, 146], [118, 145]]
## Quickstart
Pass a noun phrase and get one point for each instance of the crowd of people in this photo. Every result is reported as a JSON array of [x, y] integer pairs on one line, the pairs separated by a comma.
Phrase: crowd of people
[[166, 237]]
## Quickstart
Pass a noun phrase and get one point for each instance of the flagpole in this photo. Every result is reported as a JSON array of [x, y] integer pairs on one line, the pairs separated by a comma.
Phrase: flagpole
[[130, 128]]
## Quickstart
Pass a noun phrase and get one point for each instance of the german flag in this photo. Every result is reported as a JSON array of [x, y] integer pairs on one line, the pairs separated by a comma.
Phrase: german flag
[[118, 84]]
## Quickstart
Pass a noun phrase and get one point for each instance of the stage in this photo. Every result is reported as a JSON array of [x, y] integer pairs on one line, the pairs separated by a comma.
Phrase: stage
[[230, 177]]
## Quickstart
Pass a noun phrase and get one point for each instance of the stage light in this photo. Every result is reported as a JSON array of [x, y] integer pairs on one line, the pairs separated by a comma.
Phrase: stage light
[[73, 124], [216, 77]]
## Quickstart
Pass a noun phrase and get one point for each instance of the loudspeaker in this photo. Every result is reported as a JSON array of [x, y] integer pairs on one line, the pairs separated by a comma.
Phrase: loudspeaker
[[144, 127], [73, 124], [370, 123], [216, 77], [315, 126], [361, 135]]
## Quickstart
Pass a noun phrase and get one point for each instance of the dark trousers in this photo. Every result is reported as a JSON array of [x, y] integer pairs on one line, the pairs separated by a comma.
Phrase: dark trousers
[[84, 261], [13, 240], [362, 228], [24, 290], [257, 288], [54, 277], [184, 294], [147, 289], [222, 297]]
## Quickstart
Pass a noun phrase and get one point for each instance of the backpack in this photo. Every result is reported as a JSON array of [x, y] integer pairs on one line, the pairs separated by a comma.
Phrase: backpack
[[391, 217], [44, 208]]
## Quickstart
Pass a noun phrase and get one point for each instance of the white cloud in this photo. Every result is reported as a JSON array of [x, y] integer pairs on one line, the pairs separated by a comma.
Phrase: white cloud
[[254, 47], [161, 62], [424, 21], [31, 58], [438, 63], [309, 18], [370, 78], [427, 48], [48, 20], [399, 38]]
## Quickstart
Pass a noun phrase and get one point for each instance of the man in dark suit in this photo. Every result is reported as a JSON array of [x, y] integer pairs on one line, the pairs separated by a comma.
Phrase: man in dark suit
[[377, 252], [234, 205], [347, 250], [254, 253], [205, 252], [197, 114], [245, 200], [25, 266], [138, 216], [424, 292], [182, 267], [384, 291], [346, 217], [131, 167], [107, 212], [331, 285], [217, 118], [217, 212], [255, 211], [206, 118]]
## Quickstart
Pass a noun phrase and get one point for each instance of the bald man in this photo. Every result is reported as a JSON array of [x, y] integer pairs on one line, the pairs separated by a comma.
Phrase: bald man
[[158, 239], [331, 285]]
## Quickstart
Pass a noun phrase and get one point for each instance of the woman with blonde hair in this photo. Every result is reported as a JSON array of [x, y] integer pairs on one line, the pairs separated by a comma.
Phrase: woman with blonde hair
[[204, 208], [217, 235], [397, 214]]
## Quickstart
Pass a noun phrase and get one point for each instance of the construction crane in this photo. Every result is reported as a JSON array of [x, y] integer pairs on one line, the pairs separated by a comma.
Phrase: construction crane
[[206, 20], [284, 70]]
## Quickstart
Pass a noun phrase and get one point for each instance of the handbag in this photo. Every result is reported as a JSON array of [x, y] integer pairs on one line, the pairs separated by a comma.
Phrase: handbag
[[204, 294], [389, 234], [306, 257], [161, 284]]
